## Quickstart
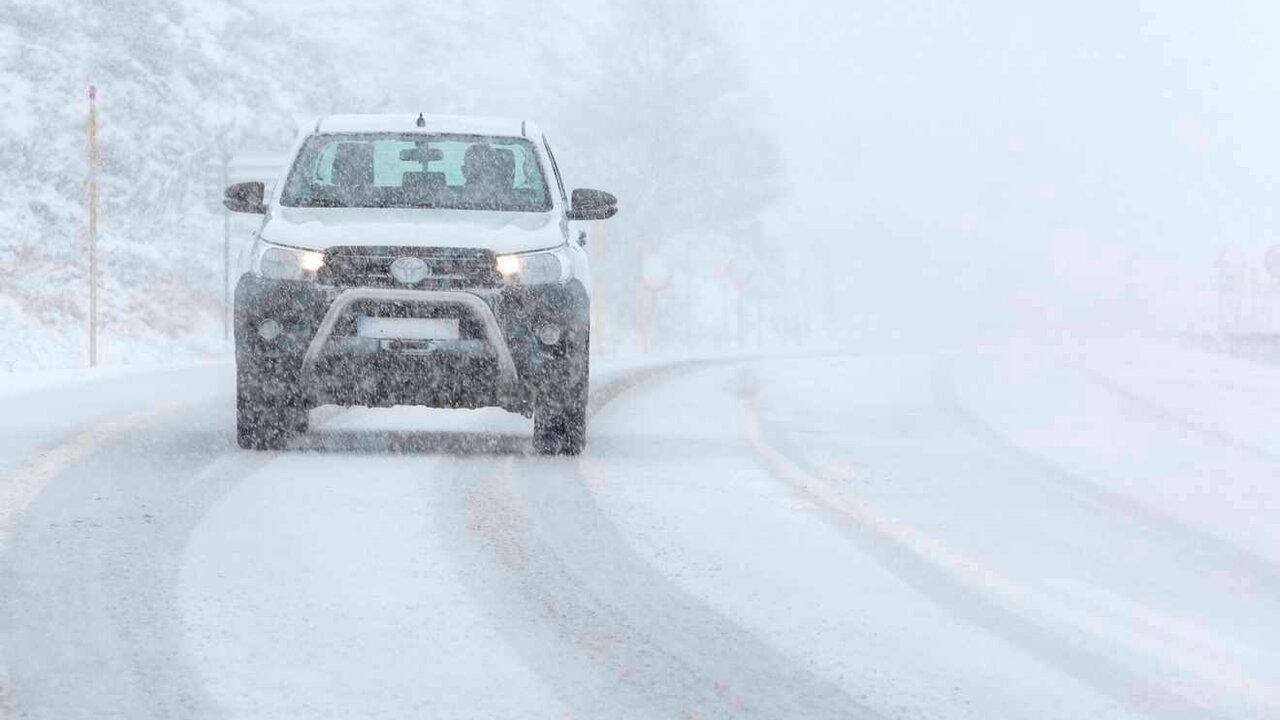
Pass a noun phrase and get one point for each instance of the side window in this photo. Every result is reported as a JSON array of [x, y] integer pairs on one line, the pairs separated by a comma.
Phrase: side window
[[322, 172], [555, 169]]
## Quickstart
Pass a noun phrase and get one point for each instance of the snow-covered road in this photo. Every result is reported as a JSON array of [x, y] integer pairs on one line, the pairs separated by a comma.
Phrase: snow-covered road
[[1017, 532]]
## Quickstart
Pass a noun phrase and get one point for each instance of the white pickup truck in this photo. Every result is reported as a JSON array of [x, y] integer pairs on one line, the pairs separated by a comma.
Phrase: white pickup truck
[[416, 260]]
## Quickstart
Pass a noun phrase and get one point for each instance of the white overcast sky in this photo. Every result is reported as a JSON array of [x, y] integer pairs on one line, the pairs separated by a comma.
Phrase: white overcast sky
[[1077, 148], [1115, 107]]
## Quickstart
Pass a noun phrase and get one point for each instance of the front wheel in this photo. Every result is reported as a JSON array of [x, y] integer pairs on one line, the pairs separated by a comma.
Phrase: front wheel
[[269, 409], [560, 415]]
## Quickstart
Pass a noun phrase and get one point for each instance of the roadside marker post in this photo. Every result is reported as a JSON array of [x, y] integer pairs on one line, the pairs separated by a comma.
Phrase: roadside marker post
[[654, 277], [736, 278], [226, 256], [1271, 260], [93, 226]]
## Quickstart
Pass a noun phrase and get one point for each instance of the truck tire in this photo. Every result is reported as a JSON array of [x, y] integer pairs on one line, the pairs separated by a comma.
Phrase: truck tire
[[560, 412], [269, 407]]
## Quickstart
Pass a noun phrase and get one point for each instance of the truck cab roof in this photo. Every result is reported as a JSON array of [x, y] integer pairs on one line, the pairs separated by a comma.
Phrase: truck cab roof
[[431, 124]]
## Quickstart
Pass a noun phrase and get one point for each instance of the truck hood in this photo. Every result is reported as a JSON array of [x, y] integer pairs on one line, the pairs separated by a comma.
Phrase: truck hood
[[501, 232]]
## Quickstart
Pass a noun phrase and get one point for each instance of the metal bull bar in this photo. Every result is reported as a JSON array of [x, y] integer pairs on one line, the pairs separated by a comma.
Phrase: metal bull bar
[[478, 308]]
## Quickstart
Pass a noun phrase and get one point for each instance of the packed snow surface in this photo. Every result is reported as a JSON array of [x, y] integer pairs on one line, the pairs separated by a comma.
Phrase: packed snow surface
[[1021, 531]]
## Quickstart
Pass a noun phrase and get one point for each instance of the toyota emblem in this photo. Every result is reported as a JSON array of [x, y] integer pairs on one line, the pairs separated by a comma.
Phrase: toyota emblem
[[410, 270]]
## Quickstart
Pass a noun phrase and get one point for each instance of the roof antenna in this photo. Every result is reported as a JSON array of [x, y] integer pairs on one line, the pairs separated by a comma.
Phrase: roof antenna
[[422, 121]]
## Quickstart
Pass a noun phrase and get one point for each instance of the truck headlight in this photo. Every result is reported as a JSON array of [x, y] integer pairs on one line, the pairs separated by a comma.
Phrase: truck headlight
[[285, 263], [537, 268]]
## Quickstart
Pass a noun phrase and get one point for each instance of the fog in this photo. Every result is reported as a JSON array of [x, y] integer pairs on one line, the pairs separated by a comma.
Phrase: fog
[[901, 359], [1000, 165], [907, 170]]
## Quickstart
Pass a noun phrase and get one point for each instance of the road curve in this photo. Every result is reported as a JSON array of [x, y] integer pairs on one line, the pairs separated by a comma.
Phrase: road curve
[[799, 537]]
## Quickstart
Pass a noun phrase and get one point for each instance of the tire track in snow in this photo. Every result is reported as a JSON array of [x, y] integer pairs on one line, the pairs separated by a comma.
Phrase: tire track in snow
[[1004, 607], [20, 487], [609, 633], [1246, 568], [88, 623], [81, 453], [1169, 416], [612, 390], [111, 631]]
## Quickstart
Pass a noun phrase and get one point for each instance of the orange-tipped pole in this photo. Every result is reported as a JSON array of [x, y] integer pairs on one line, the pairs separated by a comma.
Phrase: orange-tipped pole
[[93, 227]]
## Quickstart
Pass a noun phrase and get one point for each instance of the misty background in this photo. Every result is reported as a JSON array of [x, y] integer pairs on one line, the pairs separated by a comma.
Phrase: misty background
[[809, 173]]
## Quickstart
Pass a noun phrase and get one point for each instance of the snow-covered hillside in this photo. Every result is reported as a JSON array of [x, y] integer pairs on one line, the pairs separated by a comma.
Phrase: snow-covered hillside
[[178, 85]]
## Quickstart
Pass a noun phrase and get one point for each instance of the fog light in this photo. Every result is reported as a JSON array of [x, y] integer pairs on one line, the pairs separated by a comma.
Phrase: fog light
[[549, 334], [269, 329]]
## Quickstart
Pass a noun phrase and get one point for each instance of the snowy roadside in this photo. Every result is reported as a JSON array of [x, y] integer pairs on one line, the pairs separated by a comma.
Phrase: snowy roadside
[[1181, 433], [1122, 549], [21, 383], [1233, 395]]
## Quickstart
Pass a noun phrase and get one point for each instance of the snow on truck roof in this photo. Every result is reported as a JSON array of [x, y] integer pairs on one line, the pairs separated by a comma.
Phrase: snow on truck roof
[[408, 123]]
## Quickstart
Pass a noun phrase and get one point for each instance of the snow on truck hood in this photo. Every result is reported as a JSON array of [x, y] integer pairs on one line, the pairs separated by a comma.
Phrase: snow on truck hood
[[501, 232]]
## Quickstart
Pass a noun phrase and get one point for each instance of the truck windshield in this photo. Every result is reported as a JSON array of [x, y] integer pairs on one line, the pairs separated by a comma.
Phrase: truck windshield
[[461, 172]]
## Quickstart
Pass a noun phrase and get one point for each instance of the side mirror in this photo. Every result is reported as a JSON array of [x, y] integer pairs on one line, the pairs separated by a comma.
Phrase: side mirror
[[592, 205], [245, 197]]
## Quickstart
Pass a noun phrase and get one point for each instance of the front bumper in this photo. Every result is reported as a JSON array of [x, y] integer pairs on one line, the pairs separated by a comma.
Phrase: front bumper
[[499, 362], [478, 309]]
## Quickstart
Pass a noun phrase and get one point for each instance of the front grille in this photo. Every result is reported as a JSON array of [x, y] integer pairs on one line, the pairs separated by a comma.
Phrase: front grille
[[451, 268]]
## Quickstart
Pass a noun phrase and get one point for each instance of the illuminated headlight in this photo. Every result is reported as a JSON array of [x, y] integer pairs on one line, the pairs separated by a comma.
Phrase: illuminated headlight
[[532, 268], [285, 263]]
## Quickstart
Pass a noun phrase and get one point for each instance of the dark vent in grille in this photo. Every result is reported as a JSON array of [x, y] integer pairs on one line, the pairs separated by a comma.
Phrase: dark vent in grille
[[371, 267]]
